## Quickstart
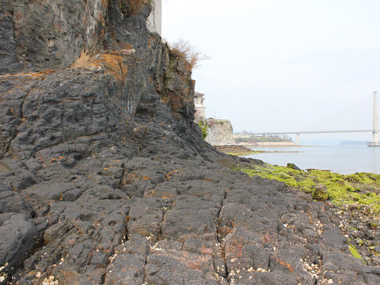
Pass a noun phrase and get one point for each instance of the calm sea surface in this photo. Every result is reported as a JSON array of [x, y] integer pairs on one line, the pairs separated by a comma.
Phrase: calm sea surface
[[341, 159]]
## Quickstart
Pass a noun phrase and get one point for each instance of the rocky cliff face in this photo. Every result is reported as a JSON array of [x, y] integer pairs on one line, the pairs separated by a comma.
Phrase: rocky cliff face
[[39, 35], [105, 179]]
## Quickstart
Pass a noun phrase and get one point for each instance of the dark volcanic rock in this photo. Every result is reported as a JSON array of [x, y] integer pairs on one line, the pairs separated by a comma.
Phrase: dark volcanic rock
[[17, 238], [36, 36], [106, 180]]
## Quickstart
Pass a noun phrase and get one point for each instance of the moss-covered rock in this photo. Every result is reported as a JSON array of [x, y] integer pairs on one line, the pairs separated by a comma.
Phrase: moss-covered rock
[[320, 193], [292, 166], [360, 189], [355, 199]]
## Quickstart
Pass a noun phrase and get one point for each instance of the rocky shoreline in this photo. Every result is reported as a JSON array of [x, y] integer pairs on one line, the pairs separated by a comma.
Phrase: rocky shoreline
[[362, 230], [238, 150], [353, 199], [105, 179]]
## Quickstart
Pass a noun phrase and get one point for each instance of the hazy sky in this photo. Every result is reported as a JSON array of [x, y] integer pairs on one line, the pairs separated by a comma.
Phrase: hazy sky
[[281, 65]]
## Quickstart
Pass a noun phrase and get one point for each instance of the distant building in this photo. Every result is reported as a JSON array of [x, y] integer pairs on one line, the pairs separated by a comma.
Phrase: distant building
[[200, 110], [154, 21]]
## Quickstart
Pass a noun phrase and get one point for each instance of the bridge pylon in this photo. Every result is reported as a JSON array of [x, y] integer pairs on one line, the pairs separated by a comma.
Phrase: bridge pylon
[[375, 130]]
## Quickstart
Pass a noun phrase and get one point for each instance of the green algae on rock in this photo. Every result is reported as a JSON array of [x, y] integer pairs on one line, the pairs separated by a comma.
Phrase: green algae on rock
[[355, 197], [355, 253], [359, 189]]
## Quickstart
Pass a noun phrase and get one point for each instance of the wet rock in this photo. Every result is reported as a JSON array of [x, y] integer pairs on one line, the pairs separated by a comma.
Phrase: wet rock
[[292, 166]]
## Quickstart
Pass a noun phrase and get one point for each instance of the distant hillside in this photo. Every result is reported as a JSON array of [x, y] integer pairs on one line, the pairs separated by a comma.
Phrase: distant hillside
[[249, 138]]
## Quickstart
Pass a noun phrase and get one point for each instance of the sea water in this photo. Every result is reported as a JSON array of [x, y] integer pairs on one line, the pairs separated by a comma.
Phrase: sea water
[[341, 159]]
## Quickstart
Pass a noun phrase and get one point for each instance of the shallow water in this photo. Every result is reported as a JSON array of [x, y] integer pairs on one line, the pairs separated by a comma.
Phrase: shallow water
[[341, 159]]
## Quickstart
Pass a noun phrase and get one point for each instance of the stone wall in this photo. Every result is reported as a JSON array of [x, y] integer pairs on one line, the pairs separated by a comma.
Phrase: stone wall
[[219, 132]]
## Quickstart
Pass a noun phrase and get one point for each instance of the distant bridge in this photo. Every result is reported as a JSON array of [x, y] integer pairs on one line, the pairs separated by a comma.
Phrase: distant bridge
[[374, 130]]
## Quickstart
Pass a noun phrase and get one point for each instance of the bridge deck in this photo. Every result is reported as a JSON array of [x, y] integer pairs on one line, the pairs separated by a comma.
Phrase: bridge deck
[[312, 132]]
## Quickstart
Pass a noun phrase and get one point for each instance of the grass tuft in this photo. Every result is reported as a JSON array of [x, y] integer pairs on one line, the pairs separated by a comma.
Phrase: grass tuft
[[111, 62], [83, 60]]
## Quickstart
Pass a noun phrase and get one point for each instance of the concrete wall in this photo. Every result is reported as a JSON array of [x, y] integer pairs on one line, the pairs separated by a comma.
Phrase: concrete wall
[[219, 132], [154, 21], [200, 113]]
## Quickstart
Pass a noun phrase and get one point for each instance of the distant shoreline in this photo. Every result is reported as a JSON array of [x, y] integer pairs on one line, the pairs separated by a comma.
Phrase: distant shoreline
[[270, 144]]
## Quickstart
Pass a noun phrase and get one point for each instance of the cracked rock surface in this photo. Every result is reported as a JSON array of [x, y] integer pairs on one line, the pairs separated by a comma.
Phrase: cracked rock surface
[[150, 203], [104, 179]]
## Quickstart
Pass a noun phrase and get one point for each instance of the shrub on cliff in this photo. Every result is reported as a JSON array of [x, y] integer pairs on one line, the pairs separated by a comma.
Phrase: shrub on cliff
[[132, 7], [188, 52]]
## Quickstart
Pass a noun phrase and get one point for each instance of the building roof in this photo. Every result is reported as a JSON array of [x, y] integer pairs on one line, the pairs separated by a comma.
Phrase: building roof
[[197, 94]]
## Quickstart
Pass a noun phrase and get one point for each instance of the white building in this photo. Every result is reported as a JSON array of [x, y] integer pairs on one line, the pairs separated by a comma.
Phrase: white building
[[154, 21], [200, 110]]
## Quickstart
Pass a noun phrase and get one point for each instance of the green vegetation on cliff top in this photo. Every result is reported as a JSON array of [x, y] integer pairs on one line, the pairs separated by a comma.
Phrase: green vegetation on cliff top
[[359, 189], [203, 126]]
